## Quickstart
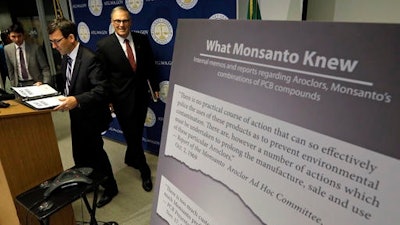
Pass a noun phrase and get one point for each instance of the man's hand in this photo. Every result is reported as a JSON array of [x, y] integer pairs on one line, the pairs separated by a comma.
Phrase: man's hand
[[67, 103]]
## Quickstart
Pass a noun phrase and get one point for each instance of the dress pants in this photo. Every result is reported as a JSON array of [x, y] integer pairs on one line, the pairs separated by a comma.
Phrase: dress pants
[[132, 124], [88, 151]]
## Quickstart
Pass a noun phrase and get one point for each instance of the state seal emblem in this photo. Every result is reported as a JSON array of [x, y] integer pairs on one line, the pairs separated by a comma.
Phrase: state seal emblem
[[83, 32], [161, 31], [95, 7], [134, 6], [150, 118], [186, 4]]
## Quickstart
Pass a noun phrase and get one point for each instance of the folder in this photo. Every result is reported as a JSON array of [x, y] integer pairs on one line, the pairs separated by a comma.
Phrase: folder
[[38, 97]]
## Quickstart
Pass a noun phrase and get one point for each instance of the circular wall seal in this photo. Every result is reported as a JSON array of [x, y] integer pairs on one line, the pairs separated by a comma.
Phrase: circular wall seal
[[219, 16], [186, 4], [83, 32], [111, 29], [134, 6], [95, 7], [161, 31], [164, 87], [150, 118]]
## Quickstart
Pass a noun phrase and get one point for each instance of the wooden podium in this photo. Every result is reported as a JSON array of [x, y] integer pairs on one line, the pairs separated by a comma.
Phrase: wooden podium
[[29, 155]]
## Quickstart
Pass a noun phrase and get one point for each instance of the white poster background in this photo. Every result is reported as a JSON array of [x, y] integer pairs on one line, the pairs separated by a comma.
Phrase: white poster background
[[253, 140], [277, 168]]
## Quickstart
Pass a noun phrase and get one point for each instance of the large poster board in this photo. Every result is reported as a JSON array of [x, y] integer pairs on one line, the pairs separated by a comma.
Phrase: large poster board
[[281, 123]]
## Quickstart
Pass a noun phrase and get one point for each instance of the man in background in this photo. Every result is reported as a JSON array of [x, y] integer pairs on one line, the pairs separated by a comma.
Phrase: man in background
[[129, 64], [4, 40], [26, 62]]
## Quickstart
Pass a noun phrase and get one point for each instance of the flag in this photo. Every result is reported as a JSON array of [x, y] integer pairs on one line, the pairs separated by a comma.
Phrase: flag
[[253, 10]]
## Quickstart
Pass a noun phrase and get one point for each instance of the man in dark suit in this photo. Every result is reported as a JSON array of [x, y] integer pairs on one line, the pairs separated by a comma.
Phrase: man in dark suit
[[30, 69], [85, 88], [129, 66]]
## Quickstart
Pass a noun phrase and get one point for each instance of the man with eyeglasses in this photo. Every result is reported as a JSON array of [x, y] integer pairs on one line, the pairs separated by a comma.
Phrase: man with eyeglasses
[[86, 98], [129, 63], [26, 62]]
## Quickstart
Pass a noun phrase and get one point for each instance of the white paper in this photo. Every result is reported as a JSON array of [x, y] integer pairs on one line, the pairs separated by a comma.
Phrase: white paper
[[45, 103], [35, 91]]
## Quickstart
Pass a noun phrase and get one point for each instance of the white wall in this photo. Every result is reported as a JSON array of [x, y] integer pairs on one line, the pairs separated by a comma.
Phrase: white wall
[[382, 11]]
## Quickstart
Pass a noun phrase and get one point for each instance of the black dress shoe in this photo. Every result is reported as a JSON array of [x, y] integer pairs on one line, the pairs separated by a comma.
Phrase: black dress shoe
[[105, 199], [147, 184]]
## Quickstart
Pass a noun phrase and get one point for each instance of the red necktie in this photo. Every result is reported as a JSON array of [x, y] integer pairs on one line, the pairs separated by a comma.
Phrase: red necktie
[[131, 57]]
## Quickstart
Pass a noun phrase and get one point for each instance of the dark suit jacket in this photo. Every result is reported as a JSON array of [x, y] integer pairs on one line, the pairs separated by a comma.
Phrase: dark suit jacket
[[127, 85], [129, 92], [36, 61], [89, 86]]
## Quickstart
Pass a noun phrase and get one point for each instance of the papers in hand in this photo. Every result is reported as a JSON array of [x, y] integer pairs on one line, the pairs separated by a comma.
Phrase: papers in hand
[[44, 103], [35, 92], [38, 97]]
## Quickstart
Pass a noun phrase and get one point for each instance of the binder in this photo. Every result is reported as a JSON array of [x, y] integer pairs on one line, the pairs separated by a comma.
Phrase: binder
[[38, 97]]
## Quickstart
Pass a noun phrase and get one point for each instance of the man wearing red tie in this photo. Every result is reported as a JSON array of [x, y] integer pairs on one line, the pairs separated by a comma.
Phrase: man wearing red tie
[[128, 60]]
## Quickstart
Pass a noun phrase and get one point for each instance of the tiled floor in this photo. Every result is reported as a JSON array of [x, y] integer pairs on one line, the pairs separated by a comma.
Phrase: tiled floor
[[132, 205]]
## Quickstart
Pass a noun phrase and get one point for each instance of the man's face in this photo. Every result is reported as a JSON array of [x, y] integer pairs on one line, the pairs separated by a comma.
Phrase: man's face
[[17, 38], [59, 42], [121, 23]]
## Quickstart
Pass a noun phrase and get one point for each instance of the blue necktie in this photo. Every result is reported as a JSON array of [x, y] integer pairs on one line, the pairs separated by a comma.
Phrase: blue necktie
[[68, 74]]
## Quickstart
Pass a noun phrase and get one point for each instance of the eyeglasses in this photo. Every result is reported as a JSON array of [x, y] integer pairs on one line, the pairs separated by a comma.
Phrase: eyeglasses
[[121, 21], [57, 41]]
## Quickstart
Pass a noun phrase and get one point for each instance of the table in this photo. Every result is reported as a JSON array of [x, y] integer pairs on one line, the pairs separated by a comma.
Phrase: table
[[29, 155], [42, 208]]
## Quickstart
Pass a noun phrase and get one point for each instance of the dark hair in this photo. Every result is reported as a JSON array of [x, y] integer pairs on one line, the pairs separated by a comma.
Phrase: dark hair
[[66, 27], [4, 37], [17, 28]]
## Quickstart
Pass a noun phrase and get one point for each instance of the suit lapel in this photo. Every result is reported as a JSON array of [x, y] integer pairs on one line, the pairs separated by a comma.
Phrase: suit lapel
[[119, 50], [11, 50], [64, 65], [78, 62], [121, 53], [27, 53], [138, 48], [136, 42]]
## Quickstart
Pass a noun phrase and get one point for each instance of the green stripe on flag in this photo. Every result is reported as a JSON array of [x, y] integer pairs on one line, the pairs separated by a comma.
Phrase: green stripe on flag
[[253, 10]]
